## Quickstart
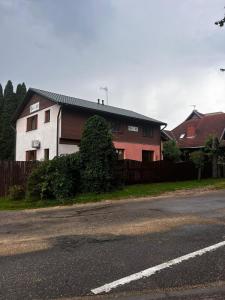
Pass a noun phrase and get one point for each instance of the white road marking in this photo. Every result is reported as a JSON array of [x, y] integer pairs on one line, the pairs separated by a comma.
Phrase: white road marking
[[148, 272]]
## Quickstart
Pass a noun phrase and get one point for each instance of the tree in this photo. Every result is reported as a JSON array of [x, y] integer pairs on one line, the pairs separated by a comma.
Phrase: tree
[[7, 138], [171, 151], [8, 105], [97, 156], [1, 106], [198, 158], [21, 91], [213, 151]]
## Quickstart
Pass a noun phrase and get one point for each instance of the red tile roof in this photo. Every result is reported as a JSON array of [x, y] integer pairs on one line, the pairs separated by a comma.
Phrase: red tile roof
[[194, 131]]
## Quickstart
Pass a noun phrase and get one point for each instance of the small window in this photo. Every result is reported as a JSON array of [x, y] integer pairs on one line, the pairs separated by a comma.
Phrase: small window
[[182, 135], [120, 154], [147, 131], [31, 155], [46, 154], [147, 155], [47, 116], [32, 123], [115, 126]]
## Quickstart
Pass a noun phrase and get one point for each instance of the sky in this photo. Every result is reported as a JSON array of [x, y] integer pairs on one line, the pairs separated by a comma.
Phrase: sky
[[157, 57]]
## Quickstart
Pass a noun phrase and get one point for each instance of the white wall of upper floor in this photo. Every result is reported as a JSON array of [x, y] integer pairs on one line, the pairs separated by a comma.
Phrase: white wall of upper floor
[[46, 133]]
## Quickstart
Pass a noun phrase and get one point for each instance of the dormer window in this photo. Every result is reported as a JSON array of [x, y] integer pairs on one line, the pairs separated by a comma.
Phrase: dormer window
[[182, 135]]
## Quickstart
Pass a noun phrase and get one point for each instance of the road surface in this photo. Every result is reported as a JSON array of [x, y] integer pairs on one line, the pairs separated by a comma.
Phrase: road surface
[[69, 252]]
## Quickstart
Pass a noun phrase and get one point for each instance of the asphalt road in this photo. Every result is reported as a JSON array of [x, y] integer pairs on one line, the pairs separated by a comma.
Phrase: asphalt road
[[64, 253]]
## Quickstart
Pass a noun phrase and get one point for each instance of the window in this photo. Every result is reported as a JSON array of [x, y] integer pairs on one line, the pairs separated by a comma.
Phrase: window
[[31, 155], [147, 155], [120, 154], [147, 131], [46, 154], [47, 116], [32, 123], [182, 135], [115, 126]]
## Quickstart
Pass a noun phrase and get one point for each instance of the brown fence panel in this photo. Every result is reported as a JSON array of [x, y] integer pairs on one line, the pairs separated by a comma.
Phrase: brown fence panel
[[129, 172], [132, 172], [14, 173]]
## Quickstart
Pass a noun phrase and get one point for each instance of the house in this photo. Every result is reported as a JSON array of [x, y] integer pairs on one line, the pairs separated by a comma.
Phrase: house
[[192, 134], [49, 124]]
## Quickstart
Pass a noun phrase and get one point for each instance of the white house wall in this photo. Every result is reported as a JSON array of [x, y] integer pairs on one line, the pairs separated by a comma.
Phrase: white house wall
[[46, 133]]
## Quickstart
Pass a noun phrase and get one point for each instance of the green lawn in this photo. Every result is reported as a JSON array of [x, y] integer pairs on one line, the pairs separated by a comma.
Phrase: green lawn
[[132, 191]]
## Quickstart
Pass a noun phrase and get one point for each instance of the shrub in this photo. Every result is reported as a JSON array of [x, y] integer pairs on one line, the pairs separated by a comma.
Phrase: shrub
[[65, 178], [58, 178], [171, 151], [16, 192], [97, 156], [198, 158]]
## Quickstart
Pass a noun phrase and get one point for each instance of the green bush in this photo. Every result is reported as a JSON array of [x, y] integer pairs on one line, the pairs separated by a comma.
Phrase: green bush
[[198, 158], [171, 151], [16, 192], [97, 156], [55, 179]]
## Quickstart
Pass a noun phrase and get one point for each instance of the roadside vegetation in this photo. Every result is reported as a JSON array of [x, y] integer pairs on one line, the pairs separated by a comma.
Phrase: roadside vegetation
[[132, 191]]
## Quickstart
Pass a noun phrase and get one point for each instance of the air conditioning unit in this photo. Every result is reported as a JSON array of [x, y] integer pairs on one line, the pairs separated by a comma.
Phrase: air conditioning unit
[[36, 144]]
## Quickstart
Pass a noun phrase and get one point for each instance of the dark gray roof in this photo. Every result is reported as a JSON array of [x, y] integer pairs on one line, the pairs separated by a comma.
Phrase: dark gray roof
[[67, 100]]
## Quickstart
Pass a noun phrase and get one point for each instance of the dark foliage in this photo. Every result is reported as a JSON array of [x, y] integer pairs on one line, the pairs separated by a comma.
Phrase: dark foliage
[[55, 179], [97, 156], [8, 105], [171, 152], [1, 108], [21, 91], [198, 158]]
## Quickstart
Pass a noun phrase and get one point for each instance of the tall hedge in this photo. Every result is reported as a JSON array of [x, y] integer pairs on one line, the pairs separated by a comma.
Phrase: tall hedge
[[97, 156], [58, 178]]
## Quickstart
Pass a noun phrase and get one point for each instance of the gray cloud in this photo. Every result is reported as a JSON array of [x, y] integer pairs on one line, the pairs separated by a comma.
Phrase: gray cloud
[[157, 57]]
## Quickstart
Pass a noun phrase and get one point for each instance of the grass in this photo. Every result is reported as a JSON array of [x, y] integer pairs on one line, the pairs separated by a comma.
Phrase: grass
[[132, 191]]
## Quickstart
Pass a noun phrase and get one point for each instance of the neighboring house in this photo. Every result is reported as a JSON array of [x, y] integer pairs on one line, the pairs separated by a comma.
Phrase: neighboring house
[[49, 124], [192, 134]]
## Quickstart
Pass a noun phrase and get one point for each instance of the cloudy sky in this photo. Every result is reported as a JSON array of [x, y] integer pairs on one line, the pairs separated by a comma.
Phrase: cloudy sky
[[157, 57]]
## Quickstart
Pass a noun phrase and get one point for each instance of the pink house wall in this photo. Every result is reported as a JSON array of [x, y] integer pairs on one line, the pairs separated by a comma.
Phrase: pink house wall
[[134, 151]]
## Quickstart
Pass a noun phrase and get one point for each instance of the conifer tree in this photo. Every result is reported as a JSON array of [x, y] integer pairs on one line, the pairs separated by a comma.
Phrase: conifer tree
[[97, 156], [21, 91], [1, 108], [1, 103], [7, 137]]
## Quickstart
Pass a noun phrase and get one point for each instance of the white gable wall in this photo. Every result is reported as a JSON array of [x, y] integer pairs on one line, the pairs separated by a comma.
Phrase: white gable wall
[[46, 133]]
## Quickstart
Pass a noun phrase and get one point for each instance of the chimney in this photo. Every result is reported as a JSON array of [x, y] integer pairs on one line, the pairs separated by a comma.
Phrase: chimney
[[191, 132], [102, 102], [98, 101]]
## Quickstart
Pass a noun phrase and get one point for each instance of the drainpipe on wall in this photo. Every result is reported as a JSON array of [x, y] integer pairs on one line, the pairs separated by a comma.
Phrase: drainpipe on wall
[[161, 141], [57, 134]]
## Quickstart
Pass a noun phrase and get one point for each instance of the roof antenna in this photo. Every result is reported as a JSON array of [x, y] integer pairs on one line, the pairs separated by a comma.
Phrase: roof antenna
[[106, 92], [194, 106]]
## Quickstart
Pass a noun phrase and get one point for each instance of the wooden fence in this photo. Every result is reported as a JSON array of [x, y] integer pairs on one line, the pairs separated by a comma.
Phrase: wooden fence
[[14, 173], [130, 172]]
